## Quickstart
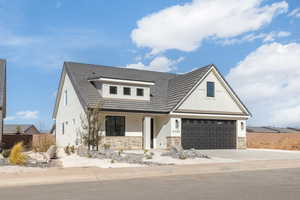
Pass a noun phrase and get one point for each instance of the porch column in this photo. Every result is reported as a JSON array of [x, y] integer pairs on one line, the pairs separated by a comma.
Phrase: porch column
[[147, 132]]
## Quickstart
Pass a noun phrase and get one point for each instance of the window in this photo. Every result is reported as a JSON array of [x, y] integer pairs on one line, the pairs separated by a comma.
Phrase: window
[[115, 126], [176, 124], [66, 97], [63, 128], [74, 121], [126, 90], [140, 92], [242, 126], [210, 89], [113, 89]]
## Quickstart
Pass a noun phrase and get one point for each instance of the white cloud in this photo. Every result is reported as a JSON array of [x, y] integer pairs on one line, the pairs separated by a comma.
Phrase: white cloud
[[265, 37], [268, 80], [24, 115], [295, 13], [184, 27], [27, 114], [10, 118], [160, 63]]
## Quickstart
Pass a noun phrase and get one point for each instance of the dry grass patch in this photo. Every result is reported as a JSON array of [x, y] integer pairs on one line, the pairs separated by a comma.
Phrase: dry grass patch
[[285, 141]]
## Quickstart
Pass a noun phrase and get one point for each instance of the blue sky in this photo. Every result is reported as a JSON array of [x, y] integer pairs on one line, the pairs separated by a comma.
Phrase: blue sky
[[254, 43]]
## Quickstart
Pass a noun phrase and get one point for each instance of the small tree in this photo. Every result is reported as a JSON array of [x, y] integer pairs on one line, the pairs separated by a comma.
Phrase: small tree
[[91, 124], [18, 129]]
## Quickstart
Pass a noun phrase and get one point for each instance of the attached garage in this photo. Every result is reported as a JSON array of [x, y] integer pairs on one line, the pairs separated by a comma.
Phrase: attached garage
[[208, 134]]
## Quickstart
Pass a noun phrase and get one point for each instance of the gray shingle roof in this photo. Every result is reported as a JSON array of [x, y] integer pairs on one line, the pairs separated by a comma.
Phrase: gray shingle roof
[[12, 128], [260, 130], [166, 93], [265, 129], [3, 86]]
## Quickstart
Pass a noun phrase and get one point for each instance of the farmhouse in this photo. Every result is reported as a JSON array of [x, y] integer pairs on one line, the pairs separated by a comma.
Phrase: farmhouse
[[146, 109]]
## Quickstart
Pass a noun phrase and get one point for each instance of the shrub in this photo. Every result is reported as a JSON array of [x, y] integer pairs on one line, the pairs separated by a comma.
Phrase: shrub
[[67, 150], [106, 146], [72, 149], [6, 153], [120, 152], [16, 156], [182, 156]]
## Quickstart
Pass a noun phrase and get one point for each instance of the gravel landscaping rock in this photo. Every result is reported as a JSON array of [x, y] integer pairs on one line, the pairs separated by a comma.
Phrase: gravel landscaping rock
[[82, 151], [117, 156], [51, 152], [3, 162], [185, 154]]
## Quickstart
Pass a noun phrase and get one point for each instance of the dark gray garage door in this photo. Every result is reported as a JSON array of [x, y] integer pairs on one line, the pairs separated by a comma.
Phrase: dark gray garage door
[[208, 134]]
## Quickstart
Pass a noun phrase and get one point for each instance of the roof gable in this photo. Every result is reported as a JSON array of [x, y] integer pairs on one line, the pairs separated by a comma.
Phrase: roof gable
[[225, 101]]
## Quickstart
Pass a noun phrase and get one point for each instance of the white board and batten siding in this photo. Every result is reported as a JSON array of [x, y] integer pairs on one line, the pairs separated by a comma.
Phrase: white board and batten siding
[[68, 115]]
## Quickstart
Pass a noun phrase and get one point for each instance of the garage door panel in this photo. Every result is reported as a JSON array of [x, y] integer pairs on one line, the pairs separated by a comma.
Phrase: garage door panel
[[208, 134]]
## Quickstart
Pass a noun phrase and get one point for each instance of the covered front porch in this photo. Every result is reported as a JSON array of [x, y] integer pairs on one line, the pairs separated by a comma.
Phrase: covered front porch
[[124, 130]]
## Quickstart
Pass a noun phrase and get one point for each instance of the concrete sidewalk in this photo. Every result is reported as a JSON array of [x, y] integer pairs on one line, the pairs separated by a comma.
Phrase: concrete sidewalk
[[68, 175]]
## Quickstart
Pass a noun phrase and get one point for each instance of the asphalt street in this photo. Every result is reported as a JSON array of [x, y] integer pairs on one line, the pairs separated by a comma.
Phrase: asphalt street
[[255, 185]]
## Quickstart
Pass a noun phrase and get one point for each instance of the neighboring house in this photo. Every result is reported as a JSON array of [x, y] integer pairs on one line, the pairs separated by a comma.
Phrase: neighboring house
[[14, 133], [266, 129], [20, 129], [2, 95], [147, 109]]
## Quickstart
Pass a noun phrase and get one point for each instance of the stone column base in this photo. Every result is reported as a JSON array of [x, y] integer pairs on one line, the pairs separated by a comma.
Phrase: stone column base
[[241, 143], [173, 141]]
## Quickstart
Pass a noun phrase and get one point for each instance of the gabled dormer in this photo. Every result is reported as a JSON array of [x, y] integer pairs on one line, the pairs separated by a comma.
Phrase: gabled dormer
[[123, 89]]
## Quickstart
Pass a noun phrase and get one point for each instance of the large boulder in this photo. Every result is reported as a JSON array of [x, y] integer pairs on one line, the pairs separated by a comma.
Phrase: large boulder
[[83, 151], [51, 152]]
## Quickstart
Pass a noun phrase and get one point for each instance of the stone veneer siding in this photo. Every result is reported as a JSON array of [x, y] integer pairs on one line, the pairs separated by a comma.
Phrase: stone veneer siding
[[241, 143], [123, 142], [173, 141]]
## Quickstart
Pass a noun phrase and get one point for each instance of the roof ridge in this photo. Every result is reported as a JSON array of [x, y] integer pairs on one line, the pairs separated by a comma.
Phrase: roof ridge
[[120, 67]]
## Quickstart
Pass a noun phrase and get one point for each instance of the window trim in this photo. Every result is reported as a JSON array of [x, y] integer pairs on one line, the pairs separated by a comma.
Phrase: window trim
[[129, 91], [110, 91], [208, 89], [140, 89]]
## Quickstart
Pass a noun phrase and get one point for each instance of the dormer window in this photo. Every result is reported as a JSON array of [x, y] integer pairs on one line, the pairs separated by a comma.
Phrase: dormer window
[[126, 90], [140, 92], [113, 90], [210, 89]]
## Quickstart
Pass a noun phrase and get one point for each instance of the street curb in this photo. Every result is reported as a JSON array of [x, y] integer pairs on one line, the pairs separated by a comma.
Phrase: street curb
[[92, 174]]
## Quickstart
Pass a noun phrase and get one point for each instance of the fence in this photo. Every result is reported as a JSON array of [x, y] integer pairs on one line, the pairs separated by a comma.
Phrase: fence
[[38, 142], [41, 142], [10, 140]]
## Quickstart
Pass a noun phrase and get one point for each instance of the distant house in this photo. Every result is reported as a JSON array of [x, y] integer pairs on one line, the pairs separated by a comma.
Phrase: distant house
[[22, 129], [267, 129], [151, 110], [14, 133], [2, 95]]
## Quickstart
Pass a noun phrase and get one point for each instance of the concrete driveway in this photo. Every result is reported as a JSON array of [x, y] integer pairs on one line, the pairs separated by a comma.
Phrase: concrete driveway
[[253, 154]]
